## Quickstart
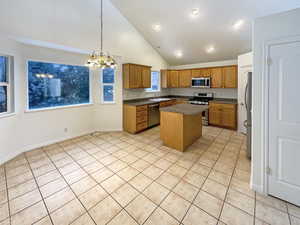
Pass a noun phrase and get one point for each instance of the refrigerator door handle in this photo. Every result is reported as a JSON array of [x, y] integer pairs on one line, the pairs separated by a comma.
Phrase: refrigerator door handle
[[245, 96]]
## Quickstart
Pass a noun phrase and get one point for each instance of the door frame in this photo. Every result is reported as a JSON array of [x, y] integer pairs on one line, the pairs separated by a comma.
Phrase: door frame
[[265, 102]]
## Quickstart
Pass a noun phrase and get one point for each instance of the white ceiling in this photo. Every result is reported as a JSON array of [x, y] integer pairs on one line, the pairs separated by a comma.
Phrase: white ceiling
[[193, 36]]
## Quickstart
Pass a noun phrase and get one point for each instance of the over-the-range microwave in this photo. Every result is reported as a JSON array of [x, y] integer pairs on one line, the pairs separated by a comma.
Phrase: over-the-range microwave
[[201, 82]]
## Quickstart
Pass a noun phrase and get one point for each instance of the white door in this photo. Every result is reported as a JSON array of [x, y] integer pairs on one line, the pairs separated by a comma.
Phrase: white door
[[284, 120]]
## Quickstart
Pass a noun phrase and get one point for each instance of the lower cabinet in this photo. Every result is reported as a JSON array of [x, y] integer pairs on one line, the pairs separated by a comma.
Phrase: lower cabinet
[[223, 115], [135, 118], [168, 103]]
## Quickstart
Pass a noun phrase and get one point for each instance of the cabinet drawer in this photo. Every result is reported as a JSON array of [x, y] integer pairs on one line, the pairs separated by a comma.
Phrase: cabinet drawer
[[141, 119], [228, 106], [141, 126], [142, 108], [142, 114]]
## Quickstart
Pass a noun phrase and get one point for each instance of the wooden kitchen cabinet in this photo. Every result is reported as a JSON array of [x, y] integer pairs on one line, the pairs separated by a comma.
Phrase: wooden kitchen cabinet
[[216, 77], [135, 118], [174, 78], [168, 103], [136, 76], [165, 78], [230, 78], [146, 77], [203, 72], [185, 78], [223, 115]]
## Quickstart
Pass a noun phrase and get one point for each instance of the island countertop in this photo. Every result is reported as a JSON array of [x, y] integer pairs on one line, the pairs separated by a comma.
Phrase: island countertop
[[185, 109]]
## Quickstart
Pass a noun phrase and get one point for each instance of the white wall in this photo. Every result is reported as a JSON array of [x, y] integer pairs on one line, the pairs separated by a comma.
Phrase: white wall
[[265, 29], [27, 130], [73, 26], [218, 92]]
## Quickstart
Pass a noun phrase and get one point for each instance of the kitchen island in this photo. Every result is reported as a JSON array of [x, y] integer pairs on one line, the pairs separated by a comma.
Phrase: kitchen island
[[181, 125]]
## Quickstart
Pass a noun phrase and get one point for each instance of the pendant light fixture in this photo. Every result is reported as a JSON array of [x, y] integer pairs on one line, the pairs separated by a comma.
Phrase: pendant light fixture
[[100, 59]]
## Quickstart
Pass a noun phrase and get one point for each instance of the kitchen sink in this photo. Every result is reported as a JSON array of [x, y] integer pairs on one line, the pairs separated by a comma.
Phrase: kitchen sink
[[159, 99]]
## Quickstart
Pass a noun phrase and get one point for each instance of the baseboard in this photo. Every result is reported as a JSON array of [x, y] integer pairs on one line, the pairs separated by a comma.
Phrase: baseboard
[[39, 145], [8, 157], [257, 188]]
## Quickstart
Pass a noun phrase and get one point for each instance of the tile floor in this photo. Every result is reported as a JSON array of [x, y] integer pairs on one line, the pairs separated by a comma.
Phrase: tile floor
[[117, 178]]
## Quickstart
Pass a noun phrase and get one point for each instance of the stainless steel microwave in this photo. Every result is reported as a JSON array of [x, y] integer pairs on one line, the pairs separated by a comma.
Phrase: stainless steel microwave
[[201, 82]]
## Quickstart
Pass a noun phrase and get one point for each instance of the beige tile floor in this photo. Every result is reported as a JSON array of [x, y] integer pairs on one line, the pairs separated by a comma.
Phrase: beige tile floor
[[121, 179]]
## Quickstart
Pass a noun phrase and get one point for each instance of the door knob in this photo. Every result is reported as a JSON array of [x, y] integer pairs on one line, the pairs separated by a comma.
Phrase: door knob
[[242, 104]]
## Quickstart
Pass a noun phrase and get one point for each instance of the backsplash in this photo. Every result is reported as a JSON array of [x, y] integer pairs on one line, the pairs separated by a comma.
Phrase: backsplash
[[218, 92], [141, 93]]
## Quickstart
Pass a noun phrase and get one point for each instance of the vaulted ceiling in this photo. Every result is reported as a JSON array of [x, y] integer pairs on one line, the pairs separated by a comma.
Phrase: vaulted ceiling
[[192, 36]]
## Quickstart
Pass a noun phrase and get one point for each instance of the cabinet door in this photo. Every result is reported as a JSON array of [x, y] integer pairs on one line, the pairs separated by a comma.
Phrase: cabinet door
[[215, 115], [216, 78], [205, 72], [174, 79], [196, 73], [228, 117], [230, 77], [185, 78], [132, 76], [146, 77], [138, 77], [165, 78]]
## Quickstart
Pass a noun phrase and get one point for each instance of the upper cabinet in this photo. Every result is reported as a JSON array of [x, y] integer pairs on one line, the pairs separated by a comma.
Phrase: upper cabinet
[[216, 77], [221, 77], [136, 76], [185, 78], [224, 77], [230, 78], [174, 78], [204, 72]]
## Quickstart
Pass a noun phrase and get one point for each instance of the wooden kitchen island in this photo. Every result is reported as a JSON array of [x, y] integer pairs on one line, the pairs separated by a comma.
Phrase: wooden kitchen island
[[181, 125]]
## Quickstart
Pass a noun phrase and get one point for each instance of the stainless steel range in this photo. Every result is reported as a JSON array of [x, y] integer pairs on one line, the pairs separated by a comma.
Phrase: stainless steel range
[[202, 99]]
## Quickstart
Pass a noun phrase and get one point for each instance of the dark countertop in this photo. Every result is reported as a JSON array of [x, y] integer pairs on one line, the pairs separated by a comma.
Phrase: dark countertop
[[147, 101], [224, 100], [186, 109]]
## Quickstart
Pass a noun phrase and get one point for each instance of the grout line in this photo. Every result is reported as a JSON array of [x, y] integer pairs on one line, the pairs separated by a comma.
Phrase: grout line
[[202, 183], [159, 157], [38, 189], [235, 164], [73, 193], [8, 201]]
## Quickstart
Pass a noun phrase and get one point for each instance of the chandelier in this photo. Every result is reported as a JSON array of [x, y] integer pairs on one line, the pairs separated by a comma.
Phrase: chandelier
[[99, 58]]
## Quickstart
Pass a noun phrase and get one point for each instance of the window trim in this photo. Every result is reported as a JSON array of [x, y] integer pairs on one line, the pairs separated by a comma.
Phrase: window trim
[[27, 109], [9, 84], [159, 83], [107, 84]]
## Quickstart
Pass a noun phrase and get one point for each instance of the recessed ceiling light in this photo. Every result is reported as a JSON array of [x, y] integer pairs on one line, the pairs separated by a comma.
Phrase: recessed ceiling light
[[210, 49], [178, 54], [195, 12], [156, 27], [238, 24]]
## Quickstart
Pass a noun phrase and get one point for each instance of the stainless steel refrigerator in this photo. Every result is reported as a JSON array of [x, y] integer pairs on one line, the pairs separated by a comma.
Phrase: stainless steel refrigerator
[[248, 105]]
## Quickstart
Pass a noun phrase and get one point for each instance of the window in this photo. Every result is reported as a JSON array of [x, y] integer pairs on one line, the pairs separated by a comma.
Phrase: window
[[55, 85], [108, 85], [6, 88], [155, 82]]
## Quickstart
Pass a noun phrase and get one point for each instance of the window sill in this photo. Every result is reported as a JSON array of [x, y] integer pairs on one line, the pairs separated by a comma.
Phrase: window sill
[[108, 103], [57, 107], [3, 115], [153, 91]]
